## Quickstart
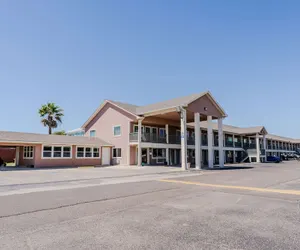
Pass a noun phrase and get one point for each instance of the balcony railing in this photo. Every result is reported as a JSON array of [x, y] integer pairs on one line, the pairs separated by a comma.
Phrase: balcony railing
[[148, 137], [238, 144], [228, 143], [250, 146]]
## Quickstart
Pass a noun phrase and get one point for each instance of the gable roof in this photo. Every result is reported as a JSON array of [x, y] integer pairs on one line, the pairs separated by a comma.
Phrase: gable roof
[[142, 110], [126, 106], [20, 137], [175, 102]]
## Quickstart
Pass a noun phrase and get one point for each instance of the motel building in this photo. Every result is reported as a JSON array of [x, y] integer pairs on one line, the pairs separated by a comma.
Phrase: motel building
[[186, 131], [40, 150]]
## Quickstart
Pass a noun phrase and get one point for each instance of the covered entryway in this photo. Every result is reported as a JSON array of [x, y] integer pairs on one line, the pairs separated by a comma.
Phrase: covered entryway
[[9, 156]]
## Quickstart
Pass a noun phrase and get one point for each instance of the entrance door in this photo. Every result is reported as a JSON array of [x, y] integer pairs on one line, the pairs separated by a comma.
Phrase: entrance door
[[144, 155], [106, 156]]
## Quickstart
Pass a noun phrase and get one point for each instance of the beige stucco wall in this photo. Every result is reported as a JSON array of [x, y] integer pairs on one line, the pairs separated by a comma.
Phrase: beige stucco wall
[[103, 123], [199, 105]]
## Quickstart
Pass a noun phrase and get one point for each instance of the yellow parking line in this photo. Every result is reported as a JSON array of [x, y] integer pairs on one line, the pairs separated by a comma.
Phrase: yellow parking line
[[265, 190]]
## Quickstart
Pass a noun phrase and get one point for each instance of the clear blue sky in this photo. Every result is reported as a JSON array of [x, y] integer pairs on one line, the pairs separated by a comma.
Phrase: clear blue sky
[[78, 53]]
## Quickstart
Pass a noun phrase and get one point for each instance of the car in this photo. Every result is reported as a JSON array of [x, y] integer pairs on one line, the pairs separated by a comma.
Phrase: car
[[273, 158]]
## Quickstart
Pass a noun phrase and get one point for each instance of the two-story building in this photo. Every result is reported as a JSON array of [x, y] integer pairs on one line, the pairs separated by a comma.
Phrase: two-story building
[[189, 128]]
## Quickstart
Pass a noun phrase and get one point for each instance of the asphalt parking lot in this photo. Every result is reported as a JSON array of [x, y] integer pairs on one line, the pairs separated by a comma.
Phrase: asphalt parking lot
[[252, 208]]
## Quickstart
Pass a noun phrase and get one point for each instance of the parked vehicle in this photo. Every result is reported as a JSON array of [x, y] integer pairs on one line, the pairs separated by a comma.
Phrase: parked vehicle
[[284, 157], [275, 159]]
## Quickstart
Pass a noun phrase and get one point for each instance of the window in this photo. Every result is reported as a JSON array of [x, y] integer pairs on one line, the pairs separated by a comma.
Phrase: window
[[159, 153], [162, 132], [47, 151], [93, 133], [117, 130], [154, 131], [147, 130], [80, 152], [117, 153], [88, 152], [96, 153], [28, 152], [136, 128], [67, 152], [57, 152]]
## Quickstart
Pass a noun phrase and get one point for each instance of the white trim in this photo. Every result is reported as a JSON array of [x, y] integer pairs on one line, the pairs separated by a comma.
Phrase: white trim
[[24, 157], [52, 151], [114, 126], [84, 151], [117, 157]]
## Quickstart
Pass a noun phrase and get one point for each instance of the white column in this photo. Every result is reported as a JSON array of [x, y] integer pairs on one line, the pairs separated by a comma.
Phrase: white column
[[210, 142], [148, 156], [139, 142], [257, 149], [183, 139], [234, 158], [197, 140], [220, 135], [167, 140], [167, 157], [167, 133], [265, 146], [18, 155]]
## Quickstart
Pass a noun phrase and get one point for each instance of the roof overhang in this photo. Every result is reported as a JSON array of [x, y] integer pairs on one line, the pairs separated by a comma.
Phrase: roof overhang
[[184, 105]]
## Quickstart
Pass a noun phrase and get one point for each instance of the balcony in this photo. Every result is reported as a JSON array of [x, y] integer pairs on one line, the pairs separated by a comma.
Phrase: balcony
[[228, 143], [148, 137], [250, 146], [270, 147], [238, 144]]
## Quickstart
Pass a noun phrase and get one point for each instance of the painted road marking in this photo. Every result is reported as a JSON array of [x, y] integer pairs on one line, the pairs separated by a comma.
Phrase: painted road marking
[[264, 190]]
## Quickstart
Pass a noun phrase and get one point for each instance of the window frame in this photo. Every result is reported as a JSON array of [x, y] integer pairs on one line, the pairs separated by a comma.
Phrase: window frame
[[92, 152], [116, 157], [115, 126], [26, 157], [93, 130], [159, 157], [52, 152]]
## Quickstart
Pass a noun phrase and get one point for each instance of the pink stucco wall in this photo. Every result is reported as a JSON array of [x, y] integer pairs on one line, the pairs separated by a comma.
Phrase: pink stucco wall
[[73, 162], [26, 162], [38, 161], [104, 122]]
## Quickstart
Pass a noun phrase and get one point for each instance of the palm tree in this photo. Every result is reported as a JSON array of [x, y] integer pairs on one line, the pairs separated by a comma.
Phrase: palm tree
[[52, 115], [62, 132]]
